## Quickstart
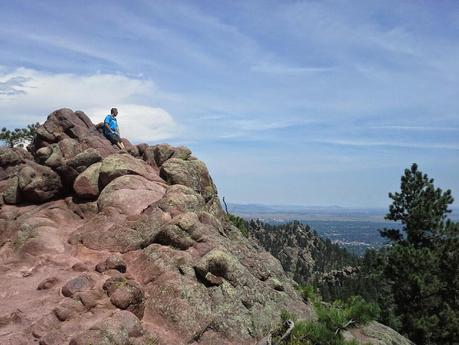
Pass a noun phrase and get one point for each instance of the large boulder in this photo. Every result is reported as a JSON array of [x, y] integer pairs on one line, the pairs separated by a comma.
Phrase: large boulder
[[162, 153], [113, 262], [68, 176], [84, 159], [38, 183], [218, 263], [157, 155], [119, 329], [184, 231], [13, 156], [179, 198], [54, 159], [117, 165], [63, 126], [131, 194], [70, 147], [125, 294], [148, 155], [10, 161], [77, 284], [86, 185], [10, 190], [191, 173], [375, 333]]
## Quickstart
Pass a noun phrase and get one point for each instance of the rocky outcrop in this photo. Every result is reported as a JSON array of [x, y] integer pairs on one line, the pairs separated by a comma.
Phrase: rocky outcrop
[[38, 183], [303, 255], [375, 334], [101, 246]]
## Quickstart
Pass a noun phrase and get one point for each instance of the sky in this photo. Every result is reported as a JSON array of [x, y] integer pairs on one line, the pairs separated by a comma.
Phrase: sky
[[287, 102]]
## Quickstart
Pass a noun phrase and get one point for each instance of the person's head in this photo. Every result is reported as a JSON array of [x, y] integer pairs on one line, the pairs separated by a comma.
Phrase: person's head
[[114, 111]]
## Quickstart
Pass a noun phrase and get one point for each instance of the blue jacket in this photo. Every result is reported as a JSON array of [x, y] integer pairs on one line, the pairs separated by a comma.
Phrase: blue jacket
[[112, 123]]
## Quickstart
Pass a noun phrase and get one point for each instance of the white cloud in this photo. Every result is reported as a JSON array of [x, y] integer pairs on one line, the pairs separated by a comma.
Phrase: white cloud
[[12, 86], [141, 122], [369, 143], [416, 128], [40, 93], [277, 68]]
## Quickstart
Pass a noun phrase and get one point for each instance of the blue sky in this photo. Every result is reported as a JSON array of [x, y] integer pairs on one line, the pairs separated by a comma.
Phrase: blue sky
[[288, 102]]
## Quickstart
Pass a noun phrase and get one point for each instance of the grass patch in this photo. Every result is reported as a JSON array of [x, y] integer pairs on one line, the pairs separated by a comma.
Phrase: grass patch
[[308, 292]]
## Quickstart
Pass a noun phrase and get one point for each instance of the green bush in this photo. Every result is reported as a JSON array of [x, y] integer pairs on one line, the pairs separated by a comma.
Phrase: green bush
[[360, 311], [308, 292], [339, 313], [331, 317], [315, 333], [239, 223], [286, 315]]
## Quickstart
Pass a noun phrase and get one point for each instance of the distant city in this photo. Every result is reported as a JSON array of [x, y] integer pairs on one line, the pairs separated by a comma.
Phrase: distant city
[[353, 228]]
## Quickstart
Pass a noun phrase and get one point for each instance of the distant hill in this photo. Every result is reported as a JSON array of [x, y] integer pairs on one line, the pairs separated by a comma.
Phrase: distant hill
[[286, 213], [356, 229]]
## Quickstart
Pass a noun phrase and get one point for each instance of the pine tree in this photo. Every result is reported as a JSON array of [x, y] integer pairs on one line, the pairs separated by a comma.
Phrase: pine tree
[[420, 207], [422, 264], [18, 136]]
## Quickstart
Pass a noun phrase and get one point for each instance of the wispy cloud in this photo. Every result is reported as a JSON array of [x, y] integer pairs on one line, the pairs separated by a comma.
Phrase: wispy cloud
[[417, 128], [291, 84], [13, 86], [277, 68], [368, 143], [42, 93]]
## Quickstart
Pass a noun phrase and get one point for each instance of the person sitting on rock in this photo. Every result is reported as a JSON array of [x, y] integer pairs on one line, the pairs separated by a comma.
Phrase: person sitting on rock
[[111, 130]]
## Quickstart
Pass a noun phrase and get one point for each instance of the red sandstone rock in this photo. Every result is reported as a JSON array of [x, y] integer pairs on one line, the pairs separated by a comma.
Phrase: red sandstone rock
[[130, 194], [86, 185], [118, 165], [38, 183], [77, 284], [112, 262], [48, 283]]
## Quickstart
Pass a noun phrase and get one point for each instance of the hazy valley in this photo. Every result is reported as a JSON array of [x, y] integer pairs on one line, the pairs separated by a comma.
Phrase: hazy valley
[[356, 229]]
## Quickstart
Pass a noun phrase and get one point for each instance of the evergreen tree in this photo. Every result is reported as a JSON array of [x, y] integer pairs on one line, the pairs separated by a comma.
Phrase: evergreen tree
[[18, 136], [421, 267], [420, 207]]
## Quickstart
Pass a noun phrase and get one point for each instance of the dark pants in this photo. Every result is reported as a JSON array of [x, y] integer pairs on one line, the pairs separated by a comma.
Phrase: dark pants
[[113, 137]]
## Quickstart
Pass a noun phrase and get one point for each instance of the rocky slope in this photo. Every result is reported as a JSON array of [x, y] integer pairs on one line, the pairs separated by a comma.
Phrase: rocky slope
[[303, 255], [101, 247]]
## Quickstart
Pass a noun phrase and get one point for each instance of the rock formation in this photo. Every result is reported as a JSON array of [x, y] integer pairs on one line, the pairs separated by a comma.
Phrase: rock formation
[[99, 246], [303, 255]]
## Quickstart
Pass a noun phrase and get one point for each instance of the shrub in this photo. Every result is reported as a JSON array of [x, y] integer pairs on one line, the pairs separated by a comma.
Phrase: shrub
[[308, 292], [331, 317], [239, 223]]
